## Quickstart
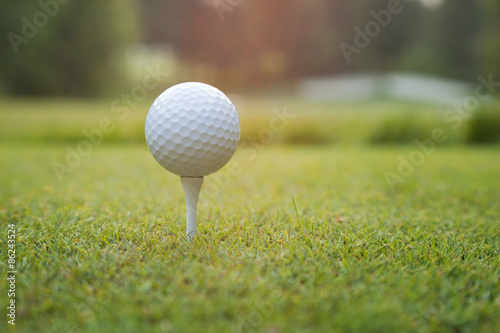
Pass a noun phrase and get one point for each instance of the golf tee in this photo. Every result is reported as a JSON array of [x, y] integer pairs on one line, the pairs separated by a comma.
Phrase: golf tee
[[192, 187]]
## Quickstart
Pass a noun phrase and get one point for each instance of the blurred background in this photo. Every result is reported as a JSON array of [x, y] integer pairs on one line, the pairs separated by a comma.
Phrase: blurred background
[[354, 72]]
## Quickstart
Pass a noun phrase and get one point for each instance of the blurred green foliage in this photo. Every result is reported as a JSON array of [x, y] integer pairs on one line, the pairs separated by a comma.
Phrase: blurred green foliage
[[310, 131], [79, 48], [371, 123], [488, 44], [251, 43], [458, 27], [484, 125], [73, 48], [401, 129]]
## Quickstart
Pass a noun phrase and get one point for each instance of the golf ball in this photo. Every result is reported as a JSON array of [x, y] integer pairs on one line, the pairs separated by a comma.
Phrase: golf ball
[[192, 129]]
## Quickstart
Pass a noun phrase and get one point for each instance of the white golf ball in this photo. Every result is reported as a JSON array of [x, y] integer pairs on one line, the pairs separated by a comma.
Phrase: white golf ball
[[192, 129]]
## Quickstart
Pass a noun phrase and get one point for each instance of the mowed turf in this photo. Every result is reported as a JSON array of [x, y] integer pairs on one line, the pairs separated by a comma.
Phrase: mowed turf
[[299, 239]]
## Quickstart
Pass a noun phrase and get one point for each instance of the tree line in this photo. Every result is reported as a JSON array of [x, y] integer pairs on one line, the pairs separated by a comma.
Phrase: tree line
[[76, 47]]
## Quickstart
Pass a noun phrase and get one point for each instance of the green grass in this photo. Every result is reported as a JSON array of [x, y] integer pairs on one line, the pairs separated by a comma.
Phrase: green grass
[[314, 123], [303, 239]]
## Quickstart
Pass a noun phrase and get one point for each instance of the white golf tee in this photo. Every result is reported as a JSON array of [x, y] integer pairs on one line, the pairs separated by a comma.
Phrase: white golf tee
[[192, 187]]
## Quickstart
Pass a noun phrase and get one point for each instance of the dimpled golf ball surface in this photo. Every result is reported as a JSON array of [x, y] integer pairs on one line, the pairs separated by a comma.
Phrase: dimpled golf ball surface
[[192, 129]]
